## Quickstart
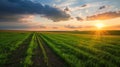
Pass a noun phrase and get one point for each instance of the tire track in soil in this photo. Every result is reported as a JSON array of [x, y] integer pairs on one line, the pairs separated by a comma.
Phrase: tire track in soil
[[53, 59], [38, 57], [17, 57]]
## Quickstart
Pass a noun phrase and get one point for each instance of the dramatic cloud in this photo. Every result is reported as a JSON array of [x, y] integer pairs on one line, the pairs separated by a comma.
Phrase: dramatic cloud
[[9, 18], [80, 27], [66, 9], [55, 27], [10, 10], [79, 19], [72, 27], [14, 27], [104, 16], [115, 26], [26, 18], [42, 26], [16, 18], [84, 5], [81, 7], [104, 7]]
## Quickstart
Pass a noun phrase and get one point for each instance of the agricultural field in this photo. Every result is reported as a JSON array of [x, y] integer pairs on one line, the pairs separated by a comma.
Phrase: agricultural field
[[59, 49]]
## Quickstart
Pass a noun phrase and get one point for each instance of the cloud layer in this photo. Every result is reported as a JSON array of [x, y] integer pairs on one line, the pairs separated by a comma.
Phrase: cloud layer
[[11, 10], [104, 16]]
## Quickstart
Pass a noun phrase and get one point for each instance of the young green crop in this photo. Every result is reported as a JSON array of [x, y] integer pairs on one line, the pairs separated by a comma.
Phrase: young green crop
[[35, 42], [10, 41], [43, 49], [80, 50], [28, 59]]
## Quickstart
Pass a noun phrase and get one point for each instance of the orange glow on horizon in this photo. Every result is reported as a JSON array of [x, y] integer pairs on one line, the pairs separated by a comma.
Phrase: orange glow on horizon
[[99, 25]]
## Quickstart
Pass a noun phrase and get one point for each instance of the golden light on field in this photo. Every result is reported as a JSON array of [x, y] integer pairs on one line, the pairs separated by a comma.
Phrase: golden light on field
[[99, 25], [99, 29]]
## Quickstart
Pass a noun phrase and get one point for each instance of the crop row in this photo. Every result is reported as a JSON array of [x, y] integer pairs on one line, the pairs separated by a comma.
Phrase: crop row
[[80, 55], [9, 42]]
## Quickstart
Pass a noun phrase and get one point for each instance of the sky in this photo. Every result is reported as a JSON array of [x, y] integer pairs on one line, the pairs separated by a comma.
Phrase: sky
[[59, 15]]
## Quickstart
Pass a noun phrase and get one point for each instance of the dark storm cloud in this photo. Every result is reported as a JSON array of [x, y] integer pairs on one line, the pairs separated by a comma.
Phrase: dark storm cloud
[[16, 18], [9, 18], [20, 7], [13, 27], [104, 16]]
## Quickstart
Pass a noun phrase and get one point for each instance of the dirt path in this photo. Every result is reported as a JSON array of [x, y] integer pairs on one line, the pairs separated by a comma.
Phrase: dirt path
[[17, 57], [53, 59], [38, 57], [44, 56]]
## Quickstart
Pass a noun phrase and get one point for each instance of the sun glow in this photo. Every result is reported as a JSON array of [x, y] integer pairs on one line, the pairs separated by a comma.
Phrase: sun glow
[[99, 25]]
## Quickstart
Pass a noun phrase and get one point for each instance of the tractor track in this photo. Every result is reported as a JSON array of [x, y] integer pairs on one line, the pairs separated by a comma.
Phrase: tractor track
[[38, 57], [44, 56], [52, 59]]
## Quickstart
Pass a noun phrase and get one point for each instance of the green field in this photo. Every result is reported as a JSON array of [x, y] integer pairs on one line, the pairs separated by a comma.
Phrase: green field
[[59, 49]]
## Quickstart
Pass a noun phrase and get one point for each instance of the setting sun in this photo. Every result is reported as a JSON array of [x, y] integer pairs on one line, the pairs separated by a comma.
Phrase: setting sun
[[99, 25]]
